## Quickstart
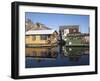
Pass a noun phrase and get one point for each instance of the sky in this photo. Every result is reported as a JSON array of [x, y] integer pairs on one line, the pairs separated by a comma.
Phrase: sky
[[53, 20]]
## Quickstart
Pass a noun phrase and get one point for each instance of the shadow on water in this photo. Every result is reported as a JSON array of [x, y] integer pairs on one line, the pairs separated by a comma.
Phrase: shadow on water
[[56, 56]]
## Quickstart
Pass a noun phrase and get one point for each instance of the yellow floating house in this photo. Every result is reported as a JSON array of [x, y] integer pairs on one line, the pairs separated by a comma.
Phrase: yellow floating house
[[39, 35]]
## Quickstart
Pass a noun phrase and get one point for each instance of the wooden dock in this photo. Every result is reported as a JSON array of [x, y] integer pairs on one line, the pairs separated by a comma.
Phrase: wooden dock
[[41, 45], [78, 45]]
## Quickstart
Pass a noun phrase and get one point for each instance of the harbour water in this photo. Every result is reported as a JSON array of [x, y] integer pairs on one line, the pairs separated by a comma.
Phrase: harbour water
[[56, 56]]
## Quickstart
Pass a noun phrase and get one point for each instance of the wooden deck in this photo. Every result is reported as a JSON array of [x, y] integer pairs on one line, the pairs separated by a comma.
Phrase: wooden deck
[[78, 45], [40, 45]]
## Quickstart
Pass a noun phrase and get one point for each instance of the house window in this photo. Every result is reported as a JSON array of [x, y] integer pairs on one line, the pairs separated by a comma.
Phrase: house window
[[33, 37], [43, 37], [27, 37], [74, 30]]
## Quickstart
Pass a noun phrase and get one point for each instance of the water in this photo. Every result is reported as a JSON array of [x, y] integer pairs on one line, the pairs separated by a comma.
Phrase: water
[[56, 56]]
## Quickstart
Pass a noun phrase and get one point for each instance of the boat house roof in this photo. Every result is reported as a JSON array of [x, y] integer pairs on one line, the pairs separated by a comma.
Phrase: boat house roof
[[35, 32]]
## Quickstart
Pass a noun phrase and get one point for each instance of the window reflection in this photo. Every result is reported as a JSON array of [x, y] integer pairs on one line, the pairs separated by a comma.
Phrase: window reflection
[[46, 52]]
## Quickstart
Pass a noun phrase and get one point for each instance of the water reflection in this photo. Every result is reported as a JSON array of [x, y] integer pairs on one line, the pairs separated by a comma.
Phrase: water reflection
[[74, 53], [45, 52], [56, 56]]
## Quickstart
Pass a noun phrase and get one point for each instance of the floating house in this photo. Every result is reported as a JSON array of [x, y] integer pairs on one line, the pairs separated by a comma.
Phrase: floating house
[[40, 35], [79, 39], [69, 29], [72, 35]]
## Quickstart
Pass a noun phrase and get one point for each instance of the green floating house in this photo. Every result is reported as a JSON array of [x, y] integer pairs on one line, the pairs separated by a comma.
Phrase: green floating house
[[72, 36]]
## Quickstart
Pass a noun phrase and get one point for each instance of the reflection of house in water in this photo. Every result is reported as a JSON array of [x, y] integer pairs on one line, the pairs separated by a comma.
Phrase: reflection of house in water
[[73, 36], [74, 53], [42, 53], [39, 34]]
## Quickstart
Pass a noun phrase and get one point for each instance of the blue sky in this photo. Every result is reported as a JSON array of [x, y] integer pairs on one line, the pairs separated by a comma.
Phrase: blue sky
[[55, 20]]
